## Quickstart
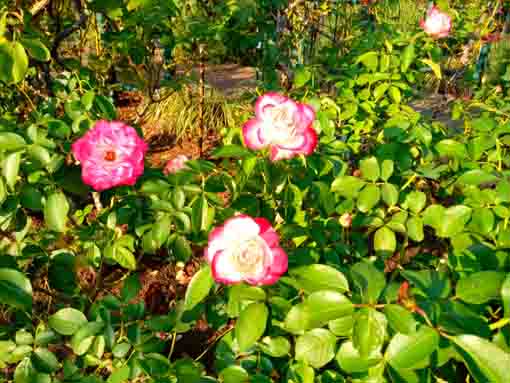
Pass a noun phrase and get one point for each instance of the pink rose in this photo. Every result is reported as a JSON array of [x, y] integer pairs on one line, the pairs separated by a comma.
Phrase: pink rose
[[175, 164], [437, 24], [283, 125], [246, 249], [111, 154]]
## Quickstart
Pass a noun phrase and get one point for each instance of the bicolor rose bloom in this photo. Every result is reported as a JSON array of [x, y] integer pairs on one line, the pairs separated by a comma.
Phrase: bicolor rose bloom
[[111, 154], [282, 125], [246, 249], [437, 24], [175, 164]]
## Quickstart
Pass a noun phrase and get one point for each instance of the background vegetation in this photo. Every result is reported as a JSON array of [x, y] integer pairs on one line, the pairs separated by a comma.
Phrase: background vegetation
[[397, 228]]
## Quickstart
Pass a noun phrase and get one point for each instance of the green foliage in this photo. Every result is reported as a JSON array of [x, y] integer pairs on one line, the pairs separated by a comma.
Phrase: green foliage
[[396, 227]]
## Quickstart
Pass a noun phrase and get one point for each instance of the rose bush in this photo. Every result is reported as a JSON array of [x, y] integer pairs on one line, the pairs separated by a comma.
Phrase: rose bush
[[340, 234]]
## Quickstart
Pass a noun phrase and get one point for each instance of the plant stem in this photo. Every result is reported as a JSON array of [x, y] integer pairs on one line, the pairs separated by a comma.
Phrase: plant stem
[[201, 95]]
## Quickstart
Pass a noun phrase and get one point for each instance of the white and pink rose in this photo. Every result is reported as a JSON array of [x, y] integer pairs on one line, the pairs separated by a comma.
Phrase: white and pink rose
[[437, 24], [282, 125], [246, 249]]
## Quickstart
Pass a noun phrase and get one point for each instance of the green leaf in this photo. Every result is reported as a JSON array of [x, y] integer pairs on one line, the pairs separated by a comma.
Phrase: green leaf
[[407, 58], [347, 186], [480, 287], [67, 321], [25, 372], [13, 62], [36, 49], [39, 154], [10, 169], [251, 325], [369, 60], [317, 277], [505, 295], [387, 168], [433, 284], [23, 337], [447, 222], [83, 338], [155, 365], [317, 310], [395, 94], [316, 347], [199, 214], [131, 287], [451, 148], [476, 177], [15, 289], [301, 373], [369, 331], [385, 240], [370, 169], [234, 374], [11, 141], [277, 347], [199, 287], [87, 100], [415, 201], [380, 90], [436, 68], [342, 326], [106, 107], [368, 198], [45, 361], [368, 280], [406, 351], [231, 151], [350, 360], [120, 375], [55, 212], [415, 229], [389, 193], [400, 319], [485, 361], [482, 221], [301, 77]]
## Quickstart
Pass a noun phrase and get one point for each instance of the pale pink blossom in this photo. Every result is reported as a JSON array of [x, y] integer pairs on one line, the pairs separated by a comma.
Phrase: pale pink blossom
[[175, 164], [111, 154], [246, 249], [437, 24], [282, 125]]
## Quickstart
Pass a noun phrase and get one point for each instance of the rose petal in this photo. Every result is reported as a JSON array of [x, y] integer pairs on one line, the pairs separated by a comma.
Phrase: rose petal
[[268, 100], [251, 134], [306, 116], [278, 267], [267, 232], [222, 269]]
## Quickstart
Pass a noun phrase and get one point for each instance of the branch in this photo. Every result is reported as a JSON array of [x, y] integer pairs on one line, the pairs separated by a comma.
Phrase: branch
[[68, 31]]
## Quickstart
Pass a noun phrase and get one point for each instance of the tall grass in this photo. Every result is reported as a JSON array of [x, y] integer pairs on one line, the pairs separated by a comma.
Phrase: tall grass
[[176, 114]]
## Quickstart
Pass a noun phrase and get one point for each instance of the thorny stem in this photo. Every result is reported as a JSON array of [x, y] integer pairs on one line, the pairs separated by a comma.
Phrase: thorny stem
[[212, 344]]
